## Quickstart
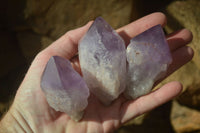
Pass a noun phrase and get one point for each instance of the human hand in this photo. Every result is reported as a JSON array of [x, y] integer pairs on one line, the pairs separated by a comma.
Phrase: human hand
[[30, 111]]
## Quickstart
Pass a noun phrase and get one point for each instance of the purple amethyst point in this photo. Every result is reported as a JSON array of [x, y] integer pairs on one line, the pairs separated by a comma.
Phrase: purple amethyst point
[[102, 56], [148, 57], [64, 88]]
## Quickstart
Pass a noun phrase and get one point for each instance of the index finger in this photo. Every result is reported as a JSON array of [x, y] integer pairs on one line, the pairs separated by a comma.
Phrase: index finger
[[129, 31]]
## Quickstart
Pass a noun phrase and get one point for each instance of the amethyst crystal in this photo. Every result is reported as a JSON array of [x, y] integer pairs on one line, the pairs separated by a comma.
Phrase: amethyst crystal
[[102, 56], [64, 88], [148, 57]]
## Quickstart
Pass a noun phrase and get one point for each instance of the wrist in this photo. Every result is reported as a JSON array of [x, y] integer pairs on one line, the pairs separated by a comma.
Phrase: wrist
[[13, 122], [9, 124]]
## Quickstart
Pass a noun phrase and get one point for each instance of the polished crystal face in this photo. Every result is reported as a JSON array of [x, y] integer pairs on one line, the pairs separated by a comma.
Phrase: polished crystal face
[[148, 57], [102, 56], [64, 88]]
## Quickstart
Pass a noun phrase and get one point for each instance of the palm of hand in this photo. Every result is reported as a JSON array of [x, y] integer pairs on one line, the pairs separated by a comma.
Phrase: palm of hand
[[31, 105]]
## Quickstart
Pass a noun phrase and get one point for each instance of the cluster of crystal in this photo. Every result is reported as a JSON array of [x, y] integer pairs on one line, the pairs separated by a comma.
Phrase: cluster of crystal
[[148, 57], [102, 56], [64, 88]]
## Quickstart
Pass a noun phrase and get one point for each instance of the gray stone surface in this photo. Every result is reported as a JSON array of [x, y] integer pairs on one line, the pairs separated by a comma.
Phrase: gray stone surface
[[55, 17]]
